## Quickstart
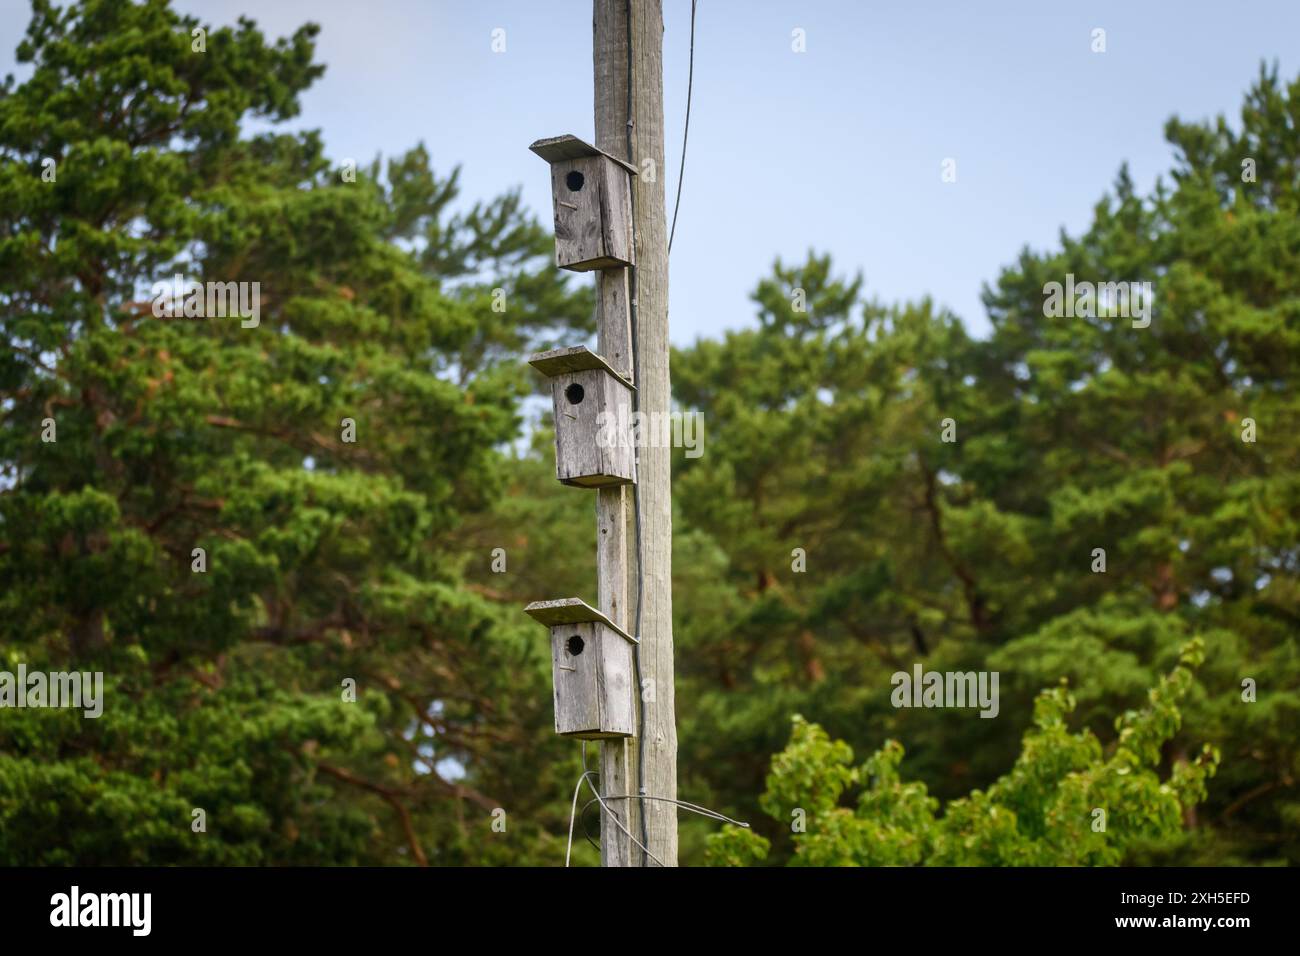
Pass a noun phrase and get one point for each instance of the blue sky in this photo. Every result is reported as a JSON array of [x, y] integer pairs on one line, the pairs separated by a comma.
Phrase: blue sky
[[838, 148]]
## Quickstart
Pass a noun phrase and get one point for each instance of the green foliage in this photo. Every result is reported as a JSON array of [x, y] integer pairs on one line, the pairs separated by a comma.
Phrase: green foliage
[[327, 560], [1067, 801], [1072, 435], [330, 560]]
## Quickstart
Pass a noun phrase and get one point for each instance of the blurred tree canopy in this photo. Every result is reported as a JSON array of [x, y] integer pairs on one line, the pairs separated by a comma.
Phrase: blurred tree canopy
[[388, 300]]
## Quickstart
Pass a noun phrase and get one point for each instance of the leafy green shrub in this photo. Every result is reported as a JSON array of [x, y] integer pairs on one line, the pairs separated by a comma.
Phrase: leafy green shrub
[[1067, 801]]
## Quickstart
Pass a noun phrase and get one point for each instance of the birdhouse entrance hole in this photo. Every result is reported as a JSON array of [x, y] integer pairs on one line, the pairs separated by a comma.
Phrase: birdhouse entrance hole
[[575, 394], [574, 645], [574, 180]]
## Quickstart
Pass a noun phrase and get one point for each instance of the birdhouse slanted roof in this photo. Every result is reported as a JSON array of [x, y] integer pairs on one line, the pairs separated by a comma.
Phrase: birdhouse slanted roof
[[576, 358], [572, 611], [555, 149]]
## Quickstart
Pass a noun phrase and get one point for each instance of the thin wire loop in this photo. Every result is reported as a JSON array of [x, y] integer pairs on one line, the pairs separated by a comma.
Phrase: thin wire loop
[[684, 804], [573, 813], [588, 776]]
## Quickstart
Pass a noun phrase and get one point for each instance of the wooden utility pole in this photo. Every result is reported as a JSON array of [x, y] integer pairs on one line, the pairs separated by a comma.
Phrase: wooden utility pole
[[645, 289]]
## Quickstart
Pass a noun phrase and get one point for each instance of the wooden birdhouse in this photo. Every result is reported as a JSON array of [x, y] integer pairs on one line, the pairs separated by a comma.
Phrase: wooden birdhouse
[[593, 418], [592, 195], [591, 666]]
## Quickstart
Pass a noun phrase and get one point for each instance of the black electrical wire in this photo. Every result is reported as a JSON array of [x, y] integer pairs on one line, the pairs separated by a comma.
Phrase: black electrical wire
[[686, 130], [636, 487]]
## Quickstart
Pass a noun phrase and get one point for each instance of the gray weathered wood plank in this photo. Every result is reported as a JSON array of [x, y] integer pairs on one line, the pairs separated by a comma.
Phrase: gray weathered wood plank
[[611, 31], [554, 149], [579, 358], [571, 611]]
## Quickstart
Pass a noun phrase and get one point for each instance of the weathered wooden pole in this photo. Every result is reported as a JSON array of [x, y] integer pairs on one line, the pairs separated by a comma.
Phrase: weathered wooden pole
[[614, 569], [645, 288]]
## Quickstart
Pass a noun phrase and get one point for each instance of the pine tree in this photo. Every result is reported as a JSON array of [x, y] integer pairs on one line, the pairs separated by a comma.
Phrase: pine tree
[[1111, 486], [247, 522]]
